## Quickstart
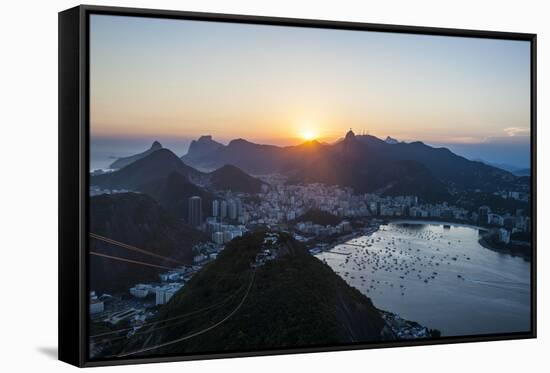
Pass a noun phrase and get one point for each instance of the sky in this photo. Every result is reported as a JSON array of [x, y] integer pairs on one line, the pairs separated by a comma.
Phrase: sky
[[175, 79]]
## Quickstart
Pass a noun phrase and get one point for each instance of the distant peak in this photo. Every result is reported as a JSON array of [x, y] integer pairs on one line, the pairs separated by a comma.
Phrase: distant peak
[[311, 142], [205, 138], [350, 135], [162, 155], [238, 141], [156, 145], [163, 152], [391, 140], [419, 143], [229, 167]]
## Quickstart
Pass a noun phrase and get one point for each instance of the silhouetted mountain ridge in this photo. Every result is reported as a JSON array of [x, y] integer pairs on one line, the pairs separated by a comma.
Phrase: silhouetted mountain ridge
[[352, 163], [171, 182], [454, 170], [141, 174], [138, 174], [232, 178], [517, 171], [125, 161], [198, 148], [367, 164]]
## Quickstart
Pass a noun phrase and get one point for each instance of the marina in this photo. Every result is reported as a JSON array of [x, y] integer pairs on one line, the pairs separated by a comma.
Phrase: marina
[[438, 275]]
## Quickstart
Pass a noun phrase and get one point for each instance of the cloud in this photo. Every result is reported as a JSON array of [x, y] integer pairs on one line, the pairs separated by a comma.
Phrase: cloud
[[461, 140], [516, 131], [469, 140]]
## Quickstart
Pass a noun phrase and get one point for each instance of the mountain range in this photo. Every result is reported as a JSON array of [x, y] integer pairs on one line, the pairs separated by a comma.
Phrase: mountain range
[[165, 177], [365, 163], [518, 171]]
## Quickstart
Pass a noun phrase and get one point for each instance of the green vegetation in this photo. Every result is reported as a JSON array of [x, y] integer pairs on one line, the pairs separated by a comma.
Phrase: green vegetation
[[472, 201], [491, 242], [521, 236], [319, 217], [295, 300], [232, 178]]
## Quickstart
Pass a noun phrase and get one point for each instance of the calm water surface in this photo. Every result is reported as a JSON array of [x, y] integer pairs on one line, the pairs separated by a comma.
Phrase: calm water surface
[[439, 276]]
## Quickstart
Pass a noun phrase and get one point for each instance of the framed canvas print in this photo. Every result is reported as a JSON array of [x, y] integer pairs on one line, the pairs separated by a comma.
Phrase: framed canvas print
[[239, 186]]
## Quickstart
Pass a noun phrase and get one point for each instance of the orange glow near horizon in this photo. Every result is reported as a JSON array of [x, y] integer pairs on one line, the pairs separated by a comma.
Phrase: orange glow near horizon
[[158, 78], [308, 135], [308, 132]]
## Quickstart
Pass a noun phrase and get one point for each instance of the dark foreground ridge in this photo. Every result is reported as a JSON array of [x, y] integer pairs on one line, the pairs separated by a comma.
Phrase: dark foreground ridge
[[277, 296]]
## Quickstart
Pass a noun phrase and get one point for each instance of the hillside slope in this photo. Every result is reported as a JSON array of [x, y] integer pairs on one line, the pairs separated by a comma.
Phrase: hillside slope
[[140, 173], [138, 220], [125, 161], [201, 147], [292, 301], [234, 179], [173, 193]]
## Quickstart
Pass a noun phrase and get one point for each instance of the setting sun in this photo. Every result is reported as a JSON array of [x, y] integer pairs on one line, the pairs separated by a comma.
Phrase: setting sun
[[308, 135]]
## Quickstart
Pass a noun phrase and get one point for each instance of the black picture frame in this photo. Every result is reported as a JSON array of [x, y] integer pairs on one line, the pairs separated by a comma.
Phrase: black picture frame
[[74, 176]]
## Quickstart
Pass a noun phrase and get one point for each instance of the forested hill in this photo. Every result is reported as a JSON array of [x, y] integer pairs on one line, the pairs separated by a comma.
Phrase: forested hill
[[240, 303]]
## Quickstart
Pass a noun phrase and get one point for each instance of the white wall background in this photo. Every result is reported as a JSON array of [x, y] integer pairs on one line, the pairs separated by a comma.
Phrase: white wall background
[[28, 194]]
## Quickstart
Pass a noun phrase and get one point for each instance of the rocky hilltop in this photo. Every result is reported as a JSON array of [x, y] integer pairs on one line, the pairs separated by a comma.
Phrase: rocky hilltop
[[201, 147], [125, 161]]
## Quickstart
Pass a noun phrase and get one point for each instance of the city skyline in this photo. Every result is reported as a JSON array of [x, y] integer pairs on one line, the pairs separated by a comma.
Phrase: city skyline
[[283, 85]]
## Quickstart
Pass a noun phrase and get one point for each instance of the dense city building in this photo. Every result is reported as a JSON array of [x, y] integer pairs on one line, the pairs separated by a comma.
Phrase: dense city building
[[195, 211]]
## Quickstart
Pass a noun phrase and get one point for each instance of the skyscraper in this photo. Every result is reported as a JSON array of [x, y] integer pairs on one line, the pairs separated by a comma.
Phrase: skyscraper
[[223, 209], [484, 214], [195, 211], [232, 209], [239, 204], [215, 208]]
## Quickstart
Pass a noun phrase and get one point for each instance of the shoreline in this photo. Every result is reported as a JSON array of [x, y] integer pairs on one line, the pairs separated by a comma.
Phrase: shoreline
[[512, 251], [515, 252], [434, 222], [404, 329], [343, 239], [388, 220]]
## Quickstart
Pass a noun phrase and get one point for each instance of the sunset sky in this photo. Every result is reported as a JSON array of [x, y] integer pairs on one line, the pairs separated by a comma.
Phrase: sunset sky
[[160, 78]]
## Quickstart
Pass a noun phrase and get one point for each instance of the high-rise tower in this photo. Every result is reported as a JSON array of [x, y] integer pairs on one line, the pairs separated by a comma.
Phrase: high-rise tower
[[195, 211]]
